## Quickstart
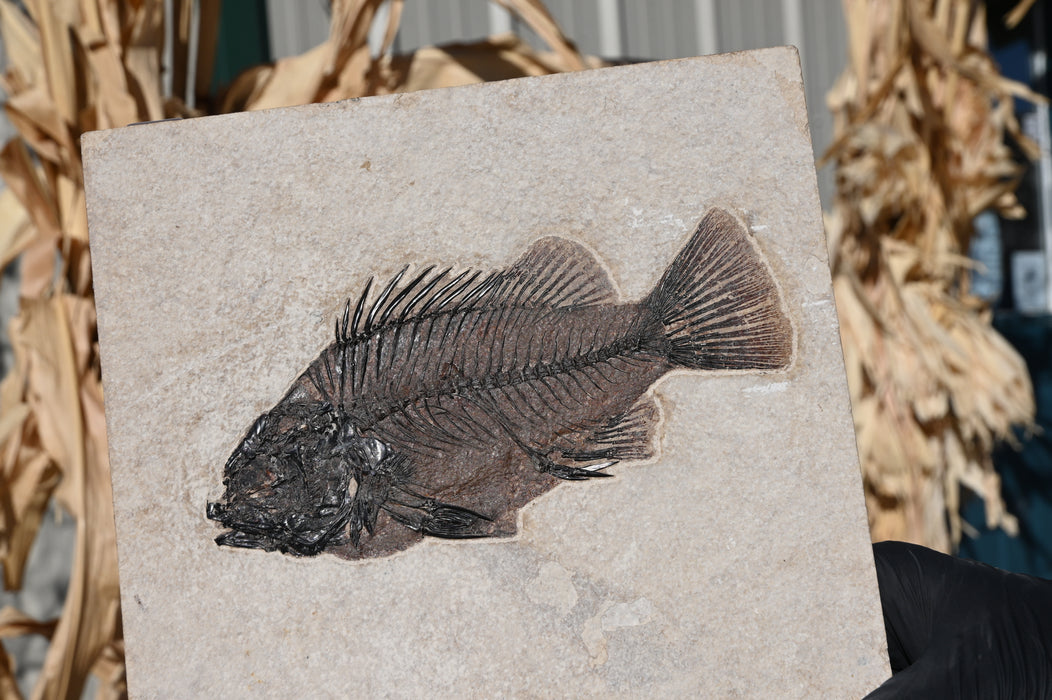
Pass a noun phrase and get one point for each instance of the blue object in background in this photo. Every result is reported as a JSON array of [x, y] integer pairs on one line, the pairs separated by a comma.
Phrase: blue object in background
[[1013, 60], [1027, 473], [986, 249]]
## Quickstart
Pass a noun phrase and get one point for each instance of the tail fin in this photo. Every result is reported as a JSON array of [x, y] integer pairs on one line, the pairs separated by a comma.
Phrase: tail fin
[[719, 304]]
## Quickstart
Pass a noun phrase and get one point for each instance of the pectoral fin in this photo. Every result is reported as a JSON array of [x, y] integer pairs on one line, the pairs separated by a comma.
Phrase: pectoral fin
[[435, 518]]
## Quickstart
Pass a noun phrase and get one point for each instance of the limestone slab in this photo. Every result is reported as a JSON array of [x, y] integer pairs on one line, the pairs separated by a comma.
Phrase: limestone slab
[[736, 563]]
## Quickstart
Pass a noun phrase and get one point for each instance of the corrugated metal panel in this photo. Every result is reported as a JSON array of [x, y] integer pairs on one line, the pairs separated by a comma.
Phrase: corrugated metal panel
[[427, 22], [594, 28], [748, 24], [295, 27], [660, 30], [824, 54]]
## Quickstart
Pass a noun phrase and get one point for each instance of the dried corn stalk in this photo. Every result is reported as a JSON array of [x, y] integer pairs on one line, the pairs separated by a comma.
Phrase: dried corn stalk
[[79, 65], [921, 116], [73, 66], [342, 67]]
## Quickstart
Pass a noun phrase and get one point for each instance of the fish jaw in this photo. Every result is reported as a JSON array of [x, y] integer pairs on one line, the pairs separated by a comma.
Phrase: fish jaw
[[289, 490], [252, 529]]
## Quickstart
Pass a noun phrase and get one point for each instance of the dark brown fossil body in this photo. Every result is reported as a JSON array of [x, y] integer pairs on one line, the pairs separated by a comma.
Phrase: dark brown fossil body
[[448, 401]]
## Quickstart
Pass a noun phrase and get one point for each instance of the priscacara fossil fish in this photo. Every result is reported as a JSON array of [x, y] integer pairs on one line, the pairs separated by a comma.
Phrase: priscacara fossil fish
[[449, 400]]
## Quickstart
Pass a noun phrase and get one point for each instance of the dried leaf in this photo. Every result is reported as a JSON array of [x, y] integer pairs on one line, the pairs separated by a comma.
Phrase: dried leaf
[[292, 81], [16, 232], [22, 178], [142, 58], [43, 336], [21, 43], [498, 58], [8, 684], [14, 623], [68, 408], [53, 21], [32, 113], [207, 34], [1013, 18], [30, 494], [394, 18], [537, 17], [109, 669], [108, 90]]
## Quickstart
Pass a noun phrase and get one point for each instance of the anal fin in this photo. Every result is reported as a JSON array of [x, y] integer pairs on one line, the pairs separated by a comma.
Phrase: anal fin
[[628, 436], [569, 473]]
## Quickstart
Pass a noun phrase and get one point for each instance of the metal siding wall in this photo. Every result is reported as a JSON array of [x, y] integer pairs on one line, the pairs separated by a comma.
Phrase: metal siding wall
[[581, 22], [748, 24], [295, 27], [426, 22], [824, 58], [661, 30]]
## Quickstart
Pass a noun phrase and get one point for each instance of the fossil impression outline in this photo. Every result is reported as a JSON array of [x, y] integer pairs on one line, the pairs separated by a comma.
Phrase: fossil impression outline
[[449, 400]]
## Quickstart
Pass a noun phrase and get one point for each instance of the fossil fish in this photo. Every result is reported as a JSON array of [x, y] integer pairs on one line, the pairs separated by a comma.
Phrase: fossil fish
[[449, 400]]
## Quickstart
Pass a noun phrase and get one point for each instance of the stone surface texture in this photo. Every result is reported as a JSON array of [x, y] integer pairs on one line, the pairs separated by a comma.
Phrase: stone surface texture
[[736, 564]]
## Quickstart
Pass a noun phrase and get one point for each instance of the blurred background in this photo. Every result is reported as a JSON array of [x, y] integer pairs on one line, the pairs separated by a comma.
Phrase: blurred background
[[933, 147]]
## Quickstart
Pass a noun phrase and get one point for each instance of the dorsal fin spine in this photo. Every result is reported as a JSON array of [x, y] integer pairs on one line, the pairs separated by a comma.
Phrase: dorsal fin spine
[[442, 291], [421, 294], [445, 293], [382, 298], [480, 289], [346, 320], [360, 307], [397, 299], [553, 272]]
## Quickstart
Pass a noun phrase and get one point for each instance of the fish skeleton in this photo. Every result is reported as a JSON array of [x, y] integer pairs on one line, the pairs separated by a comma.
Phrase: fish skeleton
[[449, 400]]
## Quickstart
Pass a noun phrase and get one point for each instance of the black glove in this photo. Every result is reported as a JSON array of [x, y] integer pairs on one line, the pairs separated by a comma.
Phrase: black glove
[[959, 629]]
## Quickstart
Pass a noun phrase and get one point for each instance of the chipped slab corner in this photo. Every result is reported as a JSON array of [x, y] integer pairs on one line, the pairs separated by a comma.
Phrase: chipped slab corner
[[583, 423]]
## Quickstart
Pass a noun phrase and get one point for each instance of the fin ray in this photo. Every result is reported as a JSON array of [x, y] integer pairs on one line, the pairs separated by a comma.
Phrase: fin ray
[[628, 436], [553, 272], [719, 303]]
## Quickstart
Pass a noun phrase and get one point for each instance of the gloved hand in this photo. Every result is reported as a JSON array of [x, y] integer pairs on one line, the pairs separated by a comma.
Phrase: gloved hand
[[959, 629]]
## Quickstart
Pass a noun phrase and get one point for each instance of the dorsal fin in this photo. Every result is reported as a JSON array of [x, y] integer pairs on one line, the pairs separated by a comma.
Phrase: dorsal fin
[[557, 272], [553, 272]]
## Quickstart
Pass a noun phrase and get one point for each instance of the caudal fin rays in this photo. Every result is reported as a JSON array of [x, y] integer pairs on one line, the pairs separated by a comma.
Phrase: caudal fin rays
[[719, 303]]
